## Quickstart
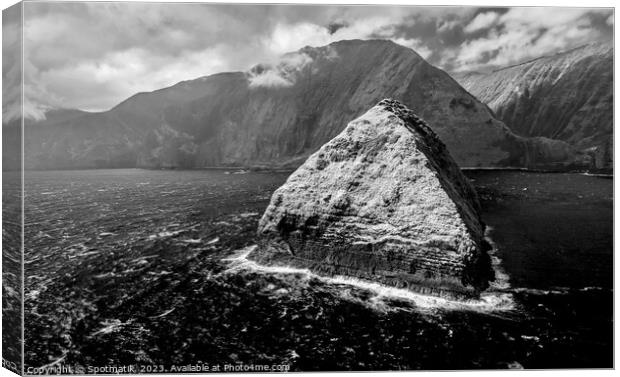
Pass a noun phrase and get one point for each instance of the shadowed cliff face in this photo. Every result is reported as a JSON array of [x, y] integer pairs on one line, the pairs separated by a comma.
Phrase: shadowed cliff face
[[382, 201], [567, 97], [276, 115]]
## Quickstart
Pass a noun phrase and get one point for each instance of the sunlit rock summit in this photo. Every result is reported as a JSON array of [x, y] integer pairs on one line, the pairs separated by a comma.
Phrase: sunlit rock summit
[[382, 201]]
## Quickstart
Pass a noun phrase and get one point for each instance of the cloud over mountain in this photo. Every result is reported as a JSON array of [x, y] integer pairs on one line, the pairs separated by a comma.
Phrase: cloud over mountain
[[91, 56]]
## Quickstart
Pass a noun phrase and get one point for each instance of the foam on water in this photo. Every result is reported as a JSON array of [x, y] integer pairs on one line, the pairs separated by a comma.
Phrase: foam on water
[[598, 175], [502, 279], [556, 290], [490, 301]]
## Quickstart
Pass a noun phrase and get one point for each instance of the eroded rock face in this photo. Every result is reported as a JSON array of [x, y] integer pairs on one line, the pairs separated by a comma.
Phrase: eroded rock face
[[382, 201], [567, 97]]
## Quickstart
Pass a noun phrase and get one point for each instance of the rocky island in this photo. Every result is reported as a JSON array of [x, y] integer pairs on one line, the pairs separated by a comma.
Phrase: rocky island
[[382, 201]]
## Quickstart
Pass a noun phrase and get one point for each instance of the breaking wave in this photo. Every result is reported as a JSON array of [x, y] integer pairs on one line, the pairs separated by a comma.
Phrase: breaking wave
[[495, 300]]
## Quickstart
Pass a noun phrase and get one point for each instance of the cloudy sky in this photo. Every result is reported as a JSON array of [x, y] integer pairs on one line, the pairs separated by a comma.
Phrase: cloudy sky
[[91, 56]]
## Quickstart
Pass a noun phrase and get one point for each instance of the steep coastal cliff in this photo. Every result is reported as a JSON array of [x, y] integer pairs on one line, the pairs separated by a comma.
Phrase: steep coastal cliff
[[568, 97], [382, 201], [276, 115]]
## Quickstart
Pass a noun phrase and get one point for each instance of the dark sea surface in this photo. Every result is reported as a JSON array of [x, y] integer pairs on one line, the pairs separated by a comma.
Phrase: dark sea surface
[[11, 272], [145, 268]]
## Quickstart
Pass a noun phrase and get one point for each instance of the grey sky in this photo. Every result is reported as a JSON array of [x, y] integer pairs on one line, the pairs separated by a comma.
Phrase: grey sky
[[93, 55]]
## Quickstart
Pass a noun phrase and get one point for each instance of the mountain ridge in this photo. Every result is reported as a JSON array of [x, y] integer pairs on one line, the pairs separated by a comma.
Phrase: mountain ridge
[[567, 96], [274, 115]]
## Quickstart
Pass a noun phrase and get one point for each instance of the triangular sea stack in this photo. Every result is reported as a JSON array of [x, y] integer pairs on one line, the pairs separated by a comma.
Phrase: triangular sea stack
[[382, 201]]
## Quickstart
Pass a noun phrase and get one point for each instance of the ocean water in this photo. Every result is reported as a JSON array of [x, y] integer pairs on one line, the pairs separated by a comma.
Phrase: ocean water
[[146, 268]]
